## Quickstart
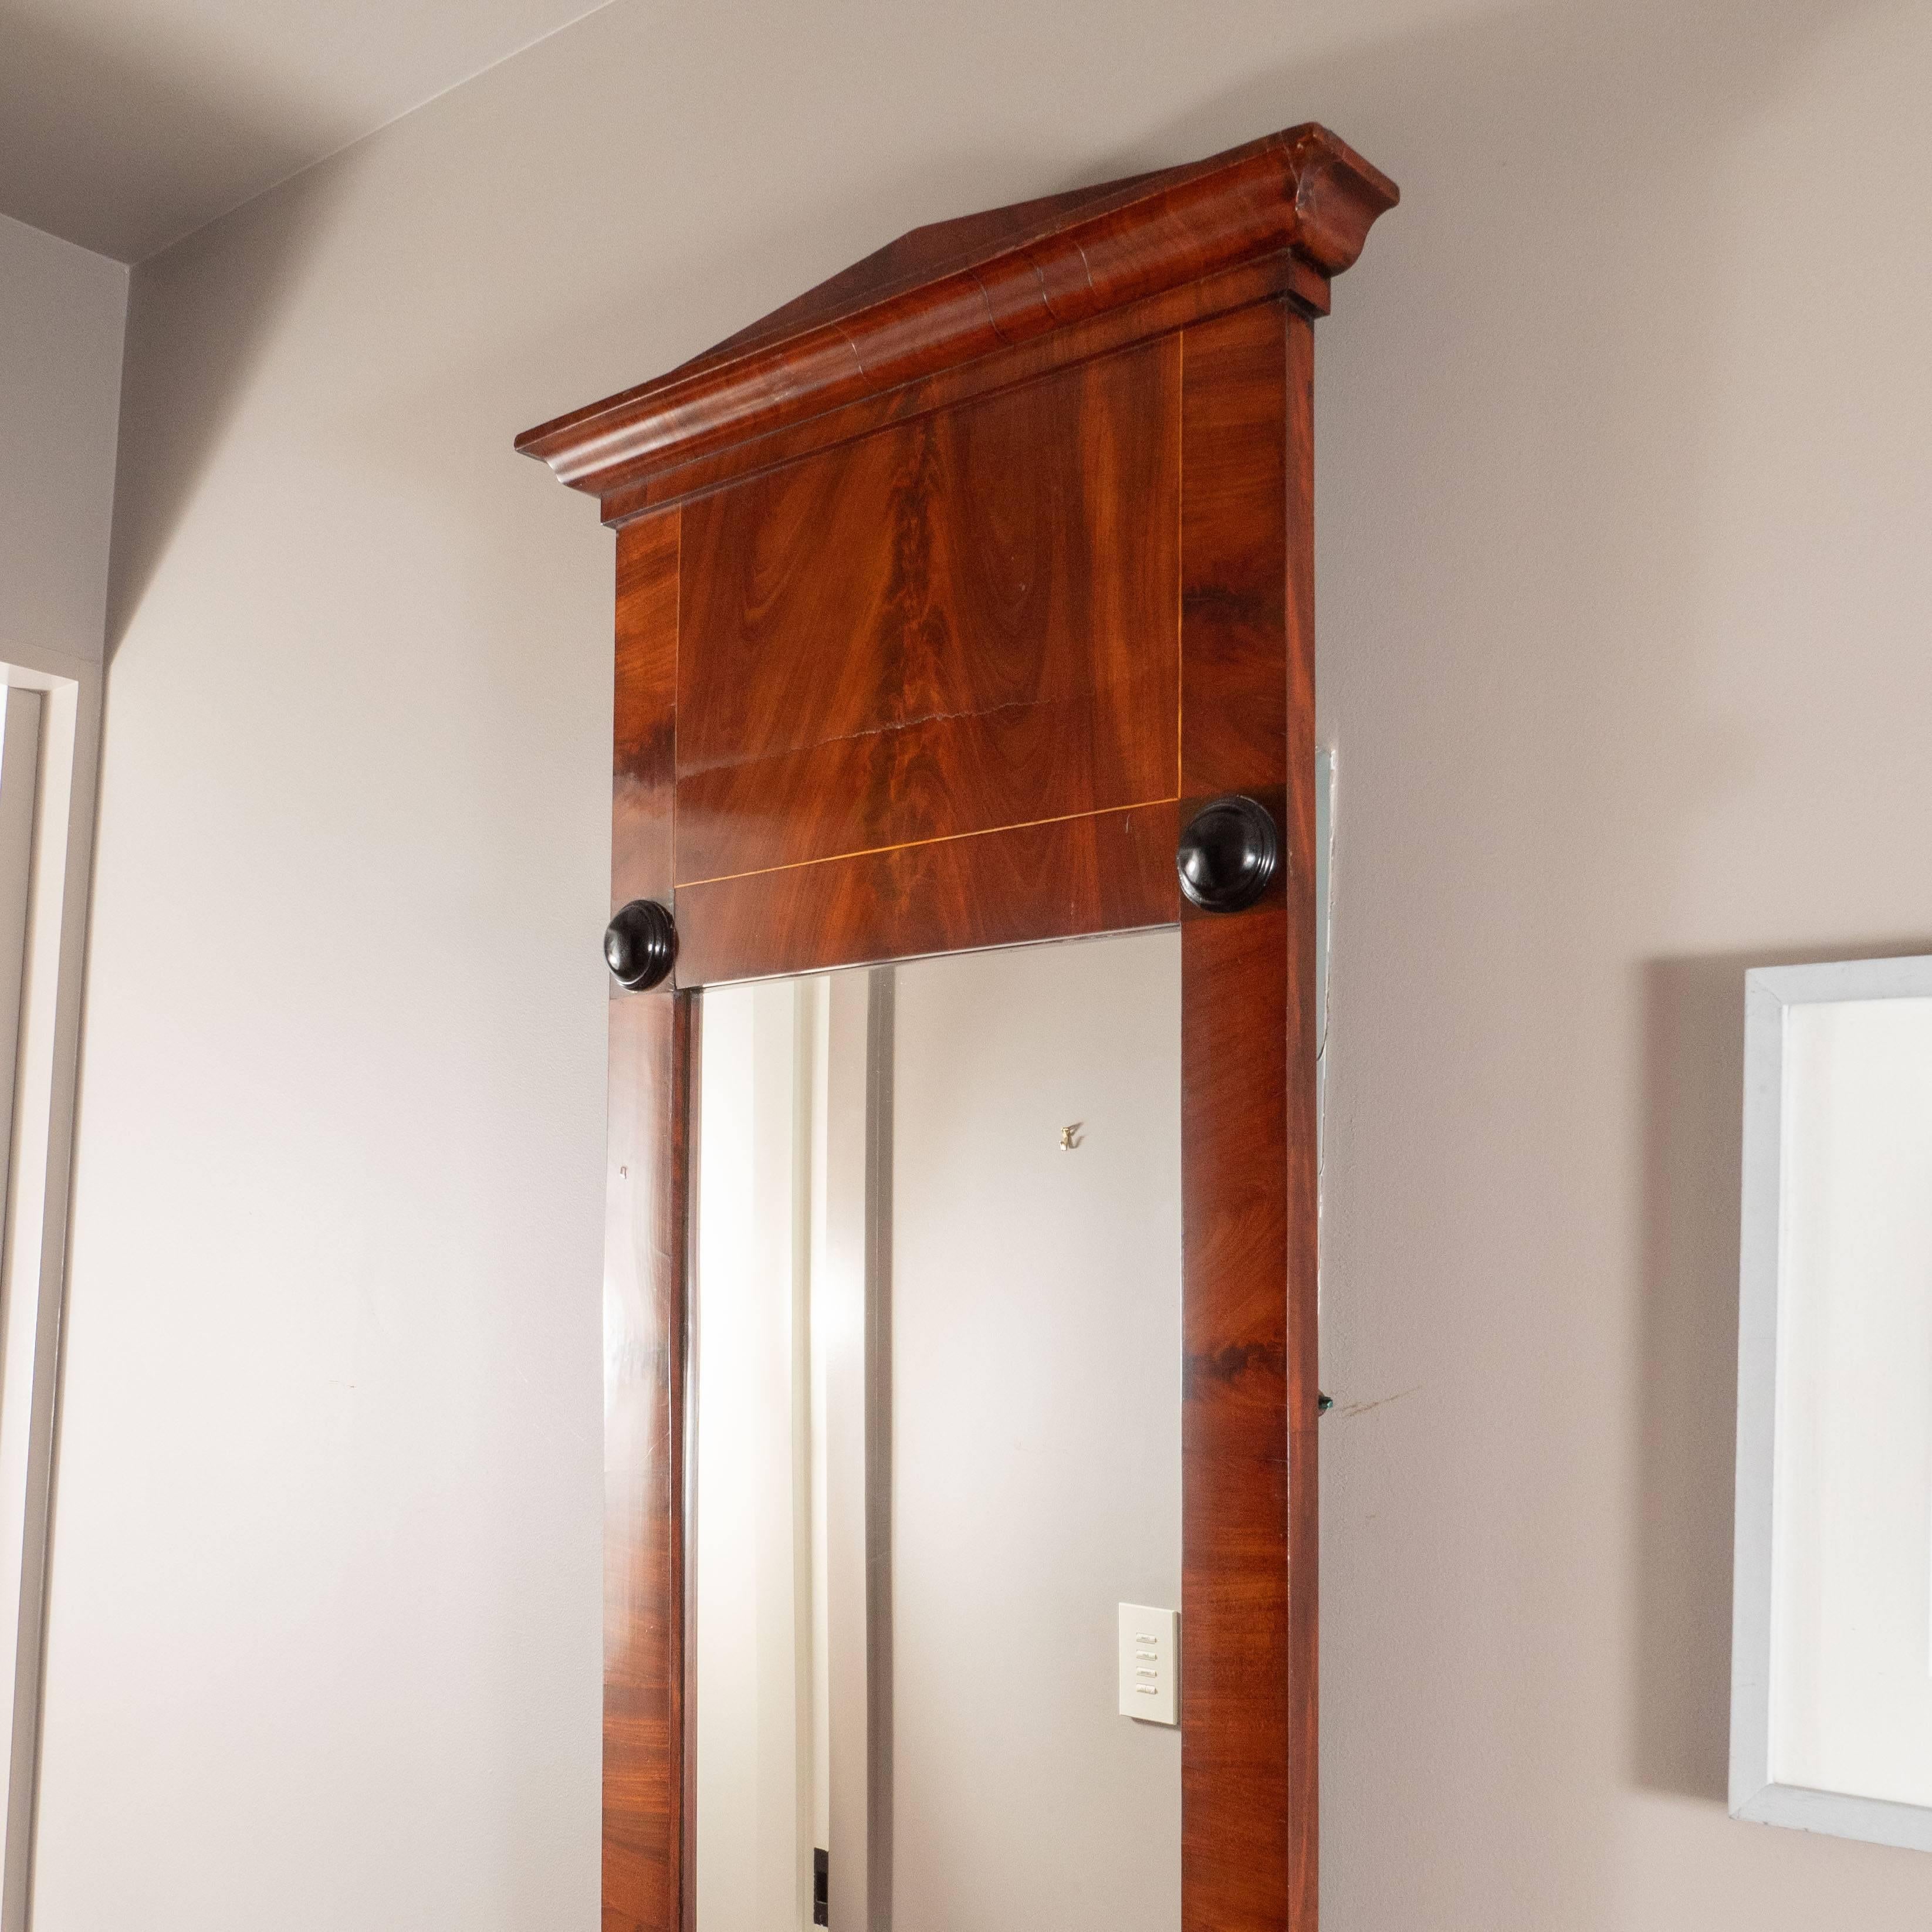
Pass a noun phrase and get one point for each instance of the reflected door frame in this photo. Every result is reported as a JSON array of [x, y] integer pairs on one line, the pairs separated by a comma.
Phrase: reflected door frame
[[944, 655], [792, 1246]]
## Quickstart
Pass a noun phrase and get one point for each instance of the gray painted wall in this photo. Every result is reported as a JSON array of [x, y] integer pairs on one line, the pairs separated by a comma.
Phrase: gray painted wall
[[62, 314]]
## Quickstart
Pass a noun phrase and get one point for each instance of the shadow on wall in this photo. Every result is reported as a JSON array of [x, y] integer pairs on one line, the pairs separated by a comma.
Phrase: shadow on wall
[[144, 88], [182, 385], [1693, 1111]]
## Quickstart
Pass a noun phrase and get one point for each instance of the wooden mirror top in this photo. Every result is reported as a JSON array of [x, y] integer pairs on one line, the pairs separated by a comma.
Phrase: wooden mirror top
[[960, 306]]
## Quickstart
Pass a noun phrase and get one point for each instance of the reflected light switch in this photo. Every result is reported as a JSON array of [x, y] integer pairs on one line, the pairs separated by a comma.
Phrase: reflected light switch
[[1150, 1663]]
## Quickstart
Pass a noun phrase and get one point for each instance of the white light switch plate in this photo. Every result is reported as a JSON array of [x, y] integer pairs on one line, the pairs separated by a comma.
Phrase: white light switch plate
[[1149, 1664]]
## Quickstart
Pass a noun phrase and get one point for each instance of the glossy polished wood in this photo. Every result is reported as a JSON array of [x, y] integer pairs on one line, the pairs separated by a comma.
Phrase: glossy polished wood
[[1248, 1765], [1110, 872], [1155, 318], [992, 639], [644, 719], [647, 1194], [1302, 1154], [944, 595], [950, 293]]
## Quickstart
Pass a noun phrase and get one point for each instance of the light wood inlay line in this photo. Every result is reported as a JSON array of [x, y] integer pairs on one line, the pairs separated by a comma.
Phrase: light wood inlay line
[[947, 838]]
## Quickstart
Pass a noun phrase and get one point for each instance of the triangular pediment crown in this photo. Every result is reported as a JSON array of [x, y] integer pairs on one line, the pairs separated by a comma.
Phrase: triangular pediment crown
[[955, 292]]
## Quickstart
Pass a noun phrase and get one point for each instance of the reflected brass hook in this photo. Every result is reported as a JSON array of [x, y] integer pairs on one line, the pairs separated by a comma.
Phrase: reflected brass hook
[[1070, 1138]]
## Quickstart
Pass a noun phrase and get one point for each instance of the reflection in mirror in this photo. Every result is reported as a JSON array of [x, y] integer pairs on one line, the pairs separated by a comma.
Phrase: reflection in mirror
[[936, 1337]]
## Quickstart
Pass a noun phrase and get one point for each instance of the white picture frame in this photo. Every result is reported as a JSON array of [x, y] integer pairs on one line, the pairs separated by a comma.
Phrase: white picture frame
[[1780, 1428]]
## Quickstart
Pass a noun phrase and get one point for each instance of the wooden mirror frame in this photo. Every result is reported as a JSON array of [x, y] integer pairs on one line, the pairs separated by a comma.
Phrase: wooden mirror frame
[[946, 595]]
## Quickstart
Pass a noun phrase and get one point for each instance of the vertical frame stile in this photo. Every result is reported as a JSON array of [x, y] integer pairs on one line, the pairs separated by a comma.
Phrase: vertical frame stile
[[1248, 1768], [646, 1234], [1302, 1149]]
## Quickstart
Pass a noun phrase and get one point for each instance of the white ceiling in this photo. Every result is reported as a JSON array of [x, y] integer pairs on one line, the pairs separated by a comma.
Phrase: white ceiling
[[125, 124]]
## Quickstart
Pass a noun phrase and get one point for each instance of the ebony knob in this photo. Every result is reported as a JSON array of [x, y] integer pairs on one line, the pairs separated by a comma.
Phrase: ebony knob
[[1229, 854], [639, 945]]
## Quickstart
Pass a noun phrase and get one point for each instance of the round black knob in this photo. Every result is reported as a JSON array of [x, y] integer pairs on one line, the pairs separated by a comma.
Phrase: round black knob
[[639, 945], [1229, 854]]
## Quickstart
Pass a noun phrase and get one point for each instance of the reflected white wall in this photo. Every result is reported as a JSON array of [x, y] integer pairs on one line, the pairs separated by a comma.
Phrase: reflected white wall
[[1036, 1433], [752, 1523]]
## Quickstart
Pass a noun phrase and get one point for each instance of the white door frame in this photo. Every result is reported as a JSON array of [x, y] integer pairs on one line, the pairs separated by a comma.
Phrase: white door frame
[[48, 907]]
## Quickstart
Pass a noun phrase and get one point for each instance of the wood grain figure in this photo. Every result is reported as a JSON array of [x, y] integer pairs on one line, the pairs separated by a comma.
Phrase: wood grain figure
[[991, 640]]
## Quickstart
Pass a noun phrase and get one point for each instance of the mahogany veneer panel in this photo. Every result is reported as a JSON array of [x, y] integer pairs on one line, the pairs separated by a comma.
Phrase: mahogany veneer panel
[[1103, 872], [646, 1192], [1248, 1764], [646, 1195], [949, 295], [1235, 699], [1302, 1257], [969, 621], [1161, 316], [644, 724]]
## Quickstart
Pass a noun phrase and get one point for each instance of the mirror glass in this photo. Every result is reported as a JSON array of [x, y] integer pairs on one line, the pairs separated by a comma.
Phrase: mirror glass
[[935, 1514]]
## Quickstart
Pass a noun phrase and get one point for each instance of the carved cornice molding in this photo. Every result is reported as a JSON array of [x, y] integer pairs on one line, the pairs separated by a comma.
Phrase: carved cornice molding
[[951, 294]]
